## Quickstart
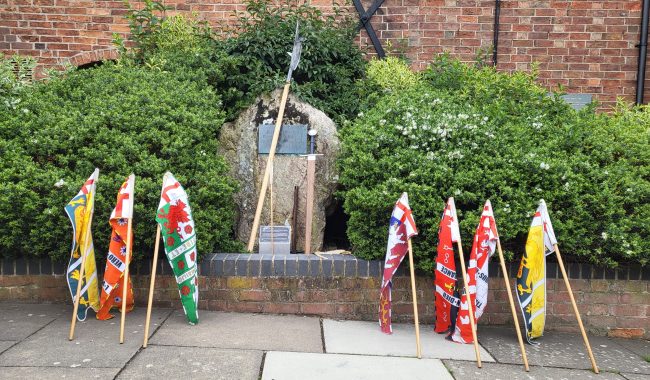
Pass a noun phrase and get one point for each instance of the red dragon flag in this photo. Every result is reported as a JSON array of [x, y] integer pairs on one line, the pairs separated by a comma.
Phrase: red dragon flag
[[116, 260], [485, 242], [179, 236], [401, 229], [448, 234]]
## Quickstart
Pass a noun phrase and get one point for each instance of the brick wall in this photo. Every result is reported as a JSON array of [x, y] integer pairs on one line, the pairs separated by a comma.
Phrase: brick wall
[[585, 46], [611, 302]]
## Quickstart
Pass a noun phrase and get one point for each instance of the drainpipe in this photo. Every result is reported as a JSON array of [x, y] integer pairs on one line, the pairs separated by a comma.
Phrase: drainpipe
[[495, 42], [643, 50]]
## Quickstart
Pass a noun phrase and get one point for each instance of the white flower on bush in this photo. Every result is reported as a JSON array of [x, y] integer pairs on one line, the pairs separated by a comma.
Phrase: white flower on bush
[[566, 186], [544, 165], [382, 121], [59, 184], [604, 235], [537, 125]]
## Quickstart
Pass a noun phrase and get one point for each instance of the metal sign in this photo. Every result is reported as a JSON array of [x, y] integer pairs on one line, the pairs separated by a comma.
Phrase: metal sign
[[577, 101], [292, 140]]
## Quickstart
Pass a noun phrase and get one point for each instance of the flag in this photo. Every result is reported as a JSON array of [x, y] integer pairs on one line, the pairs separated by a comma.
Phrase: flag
[[445, 281], [531, 278], [80, 210], [485, 240], [179, 237], [401, 228], [116, 260]]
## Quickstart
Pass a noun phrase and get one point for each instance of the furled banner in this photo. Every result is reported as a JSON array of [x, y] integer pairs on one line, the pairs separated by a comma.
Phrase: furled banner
[[483, 247], [531, 278], [179, 237], [116, 260], [80, 210], [401, 228], [448, 234]]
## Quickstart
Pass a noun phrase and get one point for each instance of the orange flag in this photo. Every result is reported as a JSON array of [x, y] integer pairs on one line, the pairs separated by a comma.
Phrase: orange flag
[[116, 261]]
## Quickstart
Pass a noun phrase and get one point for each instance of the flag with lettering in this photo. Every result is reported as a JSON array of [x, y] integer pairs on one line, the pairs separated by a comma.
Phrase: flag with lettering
[[80, 210], [483, 247], [179, 238], [116, 260], [401, 229], [531, 277], [445, 273]]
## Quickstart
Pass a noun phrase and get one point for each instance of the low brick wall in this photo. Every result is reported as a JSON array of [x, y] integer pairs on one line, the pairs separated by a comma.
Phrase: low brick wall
[[612, 302]]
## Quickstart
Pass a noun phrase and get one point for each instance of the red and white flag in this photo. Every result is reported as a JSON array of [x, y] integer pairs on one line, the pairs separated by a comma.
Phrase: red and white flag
[[448, 234], [485, 241], [402, 227]]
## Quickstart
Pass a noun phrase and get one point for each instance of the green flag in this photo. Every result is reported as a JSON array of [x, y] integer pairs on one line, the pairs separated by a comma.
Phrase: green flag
[[177, 227]]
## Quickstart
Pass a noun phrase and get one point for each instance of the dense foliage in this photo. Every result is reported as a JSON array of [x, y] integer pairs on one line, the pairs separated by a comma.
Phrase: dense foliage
[[251, 57], [121, 120], [476, 134]]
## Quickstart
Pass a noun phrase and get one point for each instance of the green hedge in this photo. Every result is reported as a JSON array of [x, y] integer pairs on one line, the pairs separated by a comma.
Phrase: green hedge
[[477, 134], [121, 120]]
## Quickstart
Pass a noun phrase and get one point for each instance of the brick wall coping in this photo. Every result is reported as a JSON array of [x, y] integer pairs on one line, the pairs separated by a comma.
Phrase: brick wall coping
[[300, 265]]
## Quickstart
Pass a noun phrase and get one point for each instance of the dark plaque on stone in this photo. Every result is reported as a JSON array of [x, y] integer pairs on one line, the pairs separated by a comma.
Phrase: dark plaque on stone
[[293, 139]]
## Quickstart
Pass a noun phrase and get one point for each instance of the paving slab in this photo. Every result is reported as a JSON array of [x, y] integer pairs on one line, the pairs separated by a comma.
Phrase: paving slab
[[558, 349], [494, 371], [300, 366], [365, 338], [631, 376], [18, 321], [58, 373], [172, 362], [639, 347], [5, 344], [96, 343], [243, 331]]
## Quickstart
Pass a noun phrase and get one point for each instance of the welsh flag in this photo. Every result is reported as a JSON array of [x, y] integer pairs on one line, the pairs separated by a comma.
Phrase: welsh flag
[[80, 210], [116, 261], [179, 237], [401, 228], [485, 241], [531, 278], [445, 281]]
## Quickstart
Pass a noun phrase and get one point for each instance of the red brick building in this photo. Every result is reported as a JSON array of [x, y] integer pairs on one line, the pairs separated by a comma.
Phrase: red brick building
[[588, 47]]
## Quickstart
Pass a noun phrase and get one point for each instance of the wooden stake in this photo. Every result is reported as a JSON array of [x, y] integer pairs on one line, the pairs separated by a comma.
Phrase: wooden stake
[[152, 283], [512, 306], [269, 161], [126, 279], [151, 286], [309, 207], [468, 298], [82, 251], [415, 303], [575, 309]]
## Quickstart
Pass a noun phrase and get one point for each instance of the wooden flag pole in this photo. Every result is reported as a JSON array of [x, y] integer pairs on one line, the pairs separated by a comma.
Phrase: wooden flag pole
[[126, 279], [575, 309], [469, 298], [512, 306], [415, 302], [151, 286], [269, 161], [82, 251], [309, 207], [152, 283]]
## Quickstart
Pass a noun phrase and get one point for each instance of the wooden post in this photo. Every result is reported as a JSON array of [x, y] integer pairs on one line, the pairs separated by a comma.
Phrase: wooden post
[[271, 209], [269, 161], [309, 207], [512, 306], [415, 303], [294, 220], [151, 286], [152, 283], [126, 278], [82, 251], [472, 322], [575, 309]]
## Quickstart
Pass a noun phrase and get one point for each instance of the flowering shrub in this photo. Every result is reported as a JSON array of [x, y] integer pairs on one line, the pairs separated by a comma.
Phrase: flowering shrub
[[495, 136]]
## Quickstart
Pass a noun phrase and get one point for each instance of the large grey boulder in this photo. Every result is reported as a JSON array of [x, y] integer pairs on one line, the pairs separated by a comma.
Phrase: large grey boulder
[[238, 143]]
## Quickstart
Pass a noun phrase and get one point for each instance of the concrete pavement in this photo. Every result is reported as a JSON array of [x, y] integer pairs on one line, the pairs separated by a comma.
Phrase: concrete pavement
[[34, 344]]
